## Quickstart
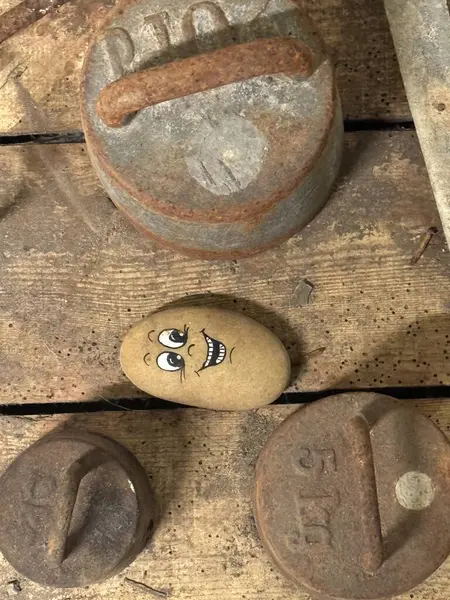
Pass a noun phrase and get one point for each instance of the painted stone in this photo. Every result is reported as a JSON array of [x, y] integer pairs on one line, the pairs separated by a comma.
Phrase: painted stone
[[206, 357]]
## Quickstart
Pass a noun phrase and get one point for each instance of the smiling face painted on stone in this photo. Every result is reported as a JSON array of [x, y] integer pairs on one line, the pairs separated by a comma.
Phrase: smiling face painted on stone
[[205, 357], [180, 358]]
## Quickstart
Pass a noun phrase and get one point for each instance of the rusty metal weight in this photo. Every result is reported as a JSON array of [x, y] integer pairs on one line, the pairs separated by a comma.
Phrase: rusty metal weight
[[351, 497], [77, 508], [215, 127]]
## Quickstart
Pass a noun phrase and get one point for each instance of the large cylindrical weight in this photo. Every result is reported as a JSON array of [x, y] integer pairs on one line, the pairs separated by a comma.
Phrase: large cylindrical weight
[[214, 126]]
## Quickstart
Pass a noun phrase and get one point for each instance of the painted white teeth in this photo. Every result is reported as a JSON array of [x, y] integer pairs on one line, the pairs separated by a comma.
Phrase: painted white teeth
[[211, 347], [210, 351]]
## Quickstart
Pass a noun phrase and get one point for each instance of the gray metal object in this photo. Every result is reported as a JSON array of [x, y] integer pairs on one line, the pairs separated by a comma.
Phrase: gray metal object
[[214, 126], [421, 32]]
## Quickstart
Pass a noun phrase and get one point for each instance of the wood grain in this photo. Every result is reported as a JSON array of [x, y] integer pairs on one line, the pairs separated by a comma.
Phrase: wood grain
[[46, 58], [202, 467], [75, 276]]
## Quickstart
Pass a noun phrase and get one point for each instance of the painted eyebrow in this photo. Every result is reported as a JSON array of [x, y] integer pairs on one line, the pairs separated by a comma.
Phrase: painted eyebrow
[[149, 334], [145, 359]]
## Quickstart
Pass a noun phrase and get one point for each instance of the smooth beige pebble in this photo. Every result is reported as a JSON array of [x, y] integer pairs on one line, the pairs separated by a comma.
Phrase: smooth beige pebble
[[206, 357]]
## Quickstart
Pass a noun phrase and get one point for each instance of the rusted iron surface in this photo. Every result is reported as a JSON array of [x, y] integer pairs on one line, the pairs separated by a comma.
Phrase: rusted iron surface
[[423, 245], [24, 14], [76, 509], [357, 435], [421, 32], [200, 73], [351, 497], [226, 171]]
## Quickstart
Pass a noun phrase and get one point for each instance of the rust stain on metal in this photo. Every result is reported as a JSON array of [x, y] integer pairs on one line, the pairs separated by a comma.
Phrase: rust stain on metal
[[47, 498], [24, 14], [357, 435], [201, 73], [205, 254], [351, 497], [426, 239]]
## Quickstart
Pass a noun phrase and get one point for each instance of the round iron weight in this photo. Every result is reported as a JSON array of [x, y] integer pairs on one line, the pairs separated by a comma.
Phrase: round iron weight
[[77, 508], [351, 497], [214, 126]]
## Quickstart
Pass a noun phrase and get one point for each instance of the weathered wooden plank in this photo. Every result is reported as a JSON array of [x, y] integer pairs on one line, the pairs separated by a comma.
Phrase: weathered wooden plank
[[426, 81], [202, 468], [46, 59], [75, 276]]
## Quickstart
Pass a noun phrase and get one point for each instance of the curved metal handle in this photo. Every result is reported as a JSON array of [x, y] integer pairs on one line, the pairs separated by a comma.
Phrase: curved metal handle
[[66, 497], [357, 433], [200, 73]]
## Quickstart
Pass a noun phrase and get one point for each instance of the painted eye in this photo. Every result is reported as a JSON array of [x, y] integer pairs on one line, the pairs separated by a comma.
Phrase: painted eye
[[170, 361], [173, 338]]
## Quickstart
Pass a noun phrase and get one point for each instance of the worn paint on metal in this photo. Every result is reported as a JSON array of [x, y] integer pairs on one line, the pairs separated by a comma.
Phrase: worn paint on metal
[[227, 171], [351, 497]]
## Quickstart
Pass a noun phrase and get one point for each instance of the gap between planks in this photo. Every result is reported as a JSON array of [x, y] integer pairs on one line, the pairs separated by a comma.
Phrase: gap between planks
[[201, 464]]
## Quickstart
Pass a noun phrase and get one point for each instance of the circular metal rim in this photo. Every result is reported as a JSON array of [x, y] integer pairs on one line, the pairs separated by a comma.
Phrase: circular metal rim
[[319, 594]]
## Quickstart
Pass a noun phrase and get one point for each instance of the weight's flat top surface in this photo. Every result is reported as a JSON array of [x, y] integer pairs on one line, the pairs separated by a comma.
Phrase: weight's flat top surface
[[107, 519], [308, 505], [219, 154]]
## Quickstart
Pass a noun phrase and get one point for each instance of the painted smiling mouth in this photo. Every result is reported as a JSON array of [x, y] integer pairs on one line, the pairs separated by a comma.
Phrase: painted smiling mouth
[[216, 352]]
